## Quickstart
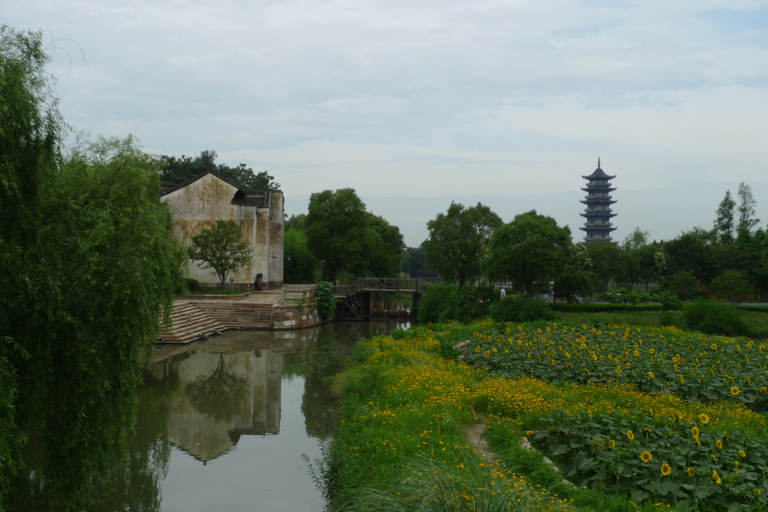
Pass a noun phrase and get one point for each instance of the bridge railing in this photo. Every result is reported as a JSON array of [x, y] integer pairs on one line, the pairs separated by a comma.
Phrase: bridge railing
[[383, 284]]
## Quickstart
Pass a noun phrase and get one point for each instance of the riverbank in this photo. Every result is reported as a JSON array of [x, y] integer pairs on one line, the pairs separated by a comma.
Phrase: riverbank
[[401, 443]]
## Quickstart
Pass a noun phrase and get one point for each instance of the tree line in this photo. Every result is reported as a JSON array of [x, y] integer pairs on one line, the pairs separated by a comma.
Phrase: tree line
[[532, 254]]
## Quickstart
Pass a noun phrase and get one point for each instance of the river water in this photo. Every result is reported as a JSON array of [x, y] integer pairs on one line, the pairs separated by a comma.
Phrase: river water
[[230, 423]]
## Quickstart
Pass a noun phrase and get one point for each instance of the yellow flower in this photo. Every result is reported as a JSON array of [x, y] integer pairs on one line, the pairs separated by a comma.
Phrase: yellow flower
[[477, 350], [719, 444], [630, 435], [695, 432], [487, 353], [651, 351], [665, 469], [703, 418], [735, 391], [742, 453], [611, 443], [758, 492], [763, 390], [650, 374], [691, 472], [714, 346], [618, 370], [717, 478], [646, 457], [682, 380]]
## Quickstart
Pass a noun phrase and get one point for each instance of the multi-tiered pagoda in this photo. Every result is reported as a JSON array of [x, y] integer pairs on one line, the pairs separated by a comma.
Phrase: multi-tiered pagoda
[[598, 213]]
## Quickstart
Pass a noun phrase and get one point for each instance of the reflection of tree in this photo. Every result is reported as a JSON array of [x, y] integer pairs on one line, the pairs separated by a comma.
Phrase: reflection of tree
[[219, 394]]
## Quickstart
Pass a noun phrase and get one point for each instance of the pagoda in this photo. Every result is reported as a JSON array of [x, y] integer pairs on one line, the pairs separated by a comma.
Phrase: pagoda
[[598, 213]]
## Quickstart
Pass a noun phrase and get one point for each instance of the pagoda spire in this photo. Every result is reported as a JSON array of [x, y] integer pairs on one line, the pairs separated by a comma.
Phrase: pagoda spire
[[598, 162], [598, 203]]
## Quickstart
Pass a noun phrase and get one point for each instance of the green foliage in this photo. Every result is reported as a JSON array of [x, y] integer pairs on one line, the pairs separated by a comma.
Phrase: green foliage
[[711, 317], [434, 301], [325, 300], [529, 250], [300, 265], [186, 169], [457, 241], [221, 248], [667, 300], [468, 303], [683, 285], [342, 234], [521, 309], [626, 297], [731, 285]]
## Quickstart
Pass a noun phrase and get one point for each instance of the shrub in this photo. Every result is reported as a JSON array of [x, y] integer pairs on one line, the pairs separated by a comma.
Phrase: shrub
[[434, 302], [521, 310], [325, 300], [468, 303], [712, 317]]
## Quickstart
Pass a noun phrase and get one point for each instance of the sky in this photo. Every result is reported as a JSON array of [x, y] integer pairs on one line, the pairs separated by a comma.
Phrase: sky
[[416, 104]]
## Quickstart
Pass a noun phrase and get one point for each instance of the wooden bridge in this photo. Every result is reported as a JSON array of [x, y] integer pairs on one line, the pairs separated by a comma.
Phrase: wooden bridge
[[355, 298]]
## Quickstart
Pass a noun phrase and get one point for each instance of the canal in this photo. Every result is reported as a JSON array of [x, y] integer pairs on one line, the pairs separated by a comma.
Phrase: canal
[[231, 422]]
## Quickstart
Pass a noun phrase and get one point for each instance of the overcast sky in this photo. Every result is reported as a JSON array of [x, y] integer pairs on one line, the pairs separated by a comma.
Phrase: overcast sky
[[418, 103]]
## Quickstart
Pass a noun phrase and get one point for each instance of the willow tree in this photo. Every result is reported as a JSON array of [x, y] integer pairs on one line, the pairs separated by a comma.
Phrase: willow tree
[[88, 272]]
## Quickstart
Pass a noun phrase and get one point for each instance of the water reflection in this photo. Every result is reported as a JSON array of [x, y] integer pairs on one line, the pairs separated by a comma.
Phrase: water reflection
[[222, 424]]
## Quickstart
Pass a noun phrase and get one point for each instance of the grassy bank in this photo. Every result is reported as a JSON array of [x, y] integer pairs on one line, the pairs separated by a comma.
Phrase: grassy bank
[[401, 444]]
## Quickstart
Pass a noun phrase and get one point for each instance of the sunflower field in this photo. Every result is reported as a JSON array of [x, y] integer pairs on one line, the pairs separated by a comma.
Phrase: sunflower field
[[634, 418]]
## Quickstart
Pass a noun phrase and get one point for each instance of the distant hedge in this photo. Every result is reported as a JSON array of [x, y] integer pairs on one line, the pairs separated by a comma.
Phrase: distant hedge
[[567, 307]]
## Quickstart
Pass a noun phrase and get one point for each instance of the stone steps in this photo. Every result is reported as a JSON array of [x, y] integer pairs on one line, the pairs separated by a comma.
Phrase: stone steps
[[189, 323]]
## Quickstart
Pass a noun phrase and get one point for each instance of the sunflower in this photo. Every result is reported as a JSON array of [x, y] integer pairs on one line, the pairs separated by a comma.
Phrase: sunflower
[[630, 435], [717, 478], [651, 351], [666, 469], [646, 457], [650, 374], [477, 349], [487, 353], [742, 453], [695, 432], [691, 472], [719, 444], [618, 370], [714, 346], [735, 391], [682, 380], [703, 418], [763, 390], [611, 443]]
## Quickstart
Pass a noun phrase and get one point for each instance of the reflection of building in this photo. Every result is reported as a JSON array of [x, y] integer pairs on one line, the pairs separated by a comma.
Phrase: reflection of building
[[259, 213], [598, 213], [222, 396]]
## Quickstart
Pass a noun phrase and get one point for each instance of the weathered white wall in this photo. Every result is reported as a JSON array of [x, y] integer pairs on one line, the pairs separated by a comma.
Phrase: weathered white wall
[[208, 199]]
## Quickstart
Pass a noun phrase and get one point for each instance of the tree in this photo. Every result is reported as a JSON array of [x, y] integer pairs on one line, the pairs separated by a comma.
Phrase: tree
[[186, 169], [300, 266], [747, 209], [731, 285], [531, 249], [577, 278], [682, 285], [724, 221], [385, 255], [606, 260], [457, 241], [221, 248]]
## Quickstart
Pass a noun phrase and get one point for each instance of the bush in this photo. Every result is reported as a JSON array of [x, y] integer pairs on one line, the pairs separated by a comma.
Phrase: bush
[[434, 302], [445, 303], [468, 303], [325, 300], [521, 310], [710, 317]]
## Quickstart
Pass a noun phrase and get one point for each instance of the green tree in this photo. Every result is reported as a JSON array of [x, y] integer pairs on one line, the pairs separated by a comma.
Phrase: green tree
[[221, 248], [346, 237], [577, 279], [731, 285], [606, 259], [747, 209], [300, 265], [683, 285], [530, 249], [724, 221], [186, 169], [457, 241]]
